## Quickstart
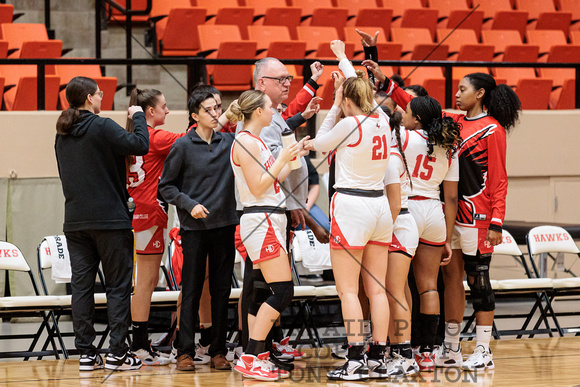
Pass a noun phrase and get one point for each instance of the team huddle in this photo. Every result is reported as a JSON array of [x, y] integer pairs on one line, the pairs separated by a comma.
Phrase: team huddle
[[411, 187]]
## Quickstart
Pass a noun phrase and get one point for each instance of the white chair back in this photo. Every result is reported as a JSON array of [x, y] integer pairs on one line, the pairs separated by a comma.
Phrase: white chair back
[[11, 258], [44, 255], [550, 239], [508, 246]]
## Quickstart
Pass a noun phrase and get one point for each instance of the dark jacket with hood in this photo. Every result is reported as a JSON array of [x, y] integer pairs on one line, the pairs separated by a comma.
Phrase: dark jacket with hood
[[91, 165], [196, 172]]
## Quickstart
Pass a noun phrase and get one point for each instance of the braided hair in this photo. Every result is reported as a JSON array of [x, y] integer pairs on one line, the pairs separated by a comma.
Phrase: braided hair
[[395, 123]]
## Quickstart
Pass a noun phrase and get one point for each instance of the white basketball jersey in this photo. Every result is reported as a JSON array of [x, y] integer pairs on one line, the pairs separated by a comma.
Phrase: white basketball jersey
[[396, 174], [361, 163], [427, 173], [273, 195]]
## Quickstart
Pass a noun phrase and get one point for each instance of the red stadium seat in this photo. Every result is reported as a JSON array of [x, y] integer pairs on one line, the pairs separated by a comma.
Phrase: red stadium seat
[[510, 20], [240, 16], [564, 97], [180, 36], [561, 54], [289, 17], [6, 13], [213, 6], [107, 84], [518, 53], [535, 7], [421, 18], [330, 17], [534, 93], [375, 18], [554, 21], [500, 39]]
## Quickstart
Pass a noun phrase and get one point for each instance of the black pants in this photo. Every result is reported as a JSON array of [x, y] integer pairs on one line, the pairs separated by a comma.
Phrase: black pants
[[114, 248], [218, 244]]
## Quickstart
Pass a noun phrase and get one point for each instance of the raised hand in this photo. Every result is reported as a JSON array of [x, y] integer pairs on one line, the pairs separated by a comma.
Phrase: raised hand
[[368, 40], [316, 68], [375, 69], [312, 108], [337, 47]]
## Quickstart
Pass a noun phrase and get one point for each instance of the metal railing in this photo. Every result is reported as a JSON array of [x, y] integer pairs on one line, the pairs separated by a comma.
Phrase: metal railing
[[196, 68]]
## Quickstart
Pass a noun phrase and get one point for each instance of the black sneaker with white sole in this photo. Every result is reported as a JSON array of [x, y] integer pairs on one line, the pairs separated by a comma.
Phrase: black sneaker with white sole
[[283, 365], [127, 362], [91, 362], [350, 370]]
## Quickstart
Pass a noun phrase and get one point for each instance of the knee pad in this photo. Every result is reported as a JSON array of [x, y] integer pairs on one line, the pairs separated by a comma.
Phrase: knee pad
[[282, 293], [477, 269], [260, 293]]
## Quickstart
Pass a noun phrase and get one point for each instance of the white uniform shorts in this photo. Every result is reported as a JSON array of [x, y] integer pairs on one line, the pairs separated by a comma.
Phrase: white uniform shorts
[[405, 235], [263, 235], [430, 221], [469, 240], [150, 241], [358, 221]]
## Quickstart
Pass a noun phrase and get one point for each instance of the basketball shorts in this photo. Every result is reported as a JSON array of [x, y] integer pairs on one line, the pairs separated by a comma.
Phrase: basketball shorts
[[430, 221], [151, 241], [470, 240], [263, 235], [405, 235], [358, 221]]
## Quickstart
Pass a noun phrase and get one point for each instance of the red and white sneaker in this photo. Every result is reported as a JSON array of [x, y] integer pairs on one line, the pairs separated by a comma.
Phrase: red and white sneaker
[[256, 367], [426, 361], [287, 349]]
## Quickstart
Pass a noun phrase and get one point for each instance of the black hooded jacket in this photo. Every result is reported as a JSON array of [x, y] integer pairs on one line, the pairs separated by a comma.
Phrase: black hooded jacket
[[91, 165]]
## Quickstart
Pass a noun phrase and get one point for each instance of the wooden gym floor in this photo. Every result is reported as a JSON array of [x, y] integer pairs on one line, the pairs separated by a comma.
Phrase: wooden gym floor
[[525, 362]]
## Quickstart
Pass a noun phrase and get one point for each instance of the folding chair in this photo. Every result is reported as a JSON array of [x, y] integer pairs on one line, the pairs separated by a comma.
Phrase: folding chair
[[11, 259], [44, 256]]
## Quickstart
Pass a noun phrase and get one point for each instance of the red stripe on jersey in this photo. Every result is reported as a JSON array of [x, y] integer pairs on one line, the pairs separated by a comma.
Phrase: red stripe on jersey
[[359, 133], [271, 245], [232, 155]]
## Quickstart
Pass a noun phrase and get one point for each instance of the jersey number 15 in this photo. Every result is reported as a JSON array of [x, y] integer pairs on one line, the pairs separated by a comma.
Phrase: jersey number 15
[[422, 165]]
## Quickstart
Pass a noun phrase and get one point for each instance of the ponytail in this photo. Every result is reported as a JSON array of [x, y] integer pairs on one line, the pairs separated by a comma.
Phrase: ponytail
[[500, 101], [441, 131], [77, 91]]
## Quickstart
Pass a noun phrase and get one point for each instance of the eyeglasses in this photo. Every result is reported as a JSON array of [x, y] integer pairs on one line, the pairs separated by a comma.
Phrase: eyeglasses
[[282, 80], [99, 93]]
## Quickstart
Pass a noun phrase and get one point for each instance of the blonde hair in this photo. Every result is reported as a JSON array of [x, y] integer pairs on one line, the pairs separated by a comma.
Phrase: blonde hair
[[360, 91], [248, 102]]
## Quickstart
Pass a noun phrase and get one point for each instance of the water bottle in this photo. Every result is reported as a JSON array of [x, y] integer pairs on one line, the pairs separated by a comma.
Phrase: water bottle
[[288, 139], [131, 205]]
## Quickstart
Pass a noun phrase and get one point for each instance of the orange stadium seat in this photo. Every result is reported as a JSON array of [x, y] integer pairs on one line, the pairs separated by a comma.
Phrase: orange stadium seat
[[455, 39], [158, 17], [500, 39], [330, 17], [117, 16], [561, 54], [240, 16], [421, 18], [510, 20], [224, 41], [356, 5], [308, 6], [399, 7], [107, 84], [573, 7], [554, 21], [313, 36], [465, 20], [3, 49], [6, 13], [18, 33], [545, 39], [409, 37], [264, 35], [575, 37], [564, 97], [374, 17], [260, 6], [445, 7], [289, 17], [518, 53], [490, 7], [212, 6], [180, 35], [24, 95], [535, 7], [1, 90], [534, 93]]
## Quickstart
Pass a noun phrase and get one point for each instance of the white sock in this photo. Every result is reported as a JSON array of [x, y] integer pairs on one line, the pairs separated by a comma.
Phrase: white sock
[[452, 334], [483, 335]]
